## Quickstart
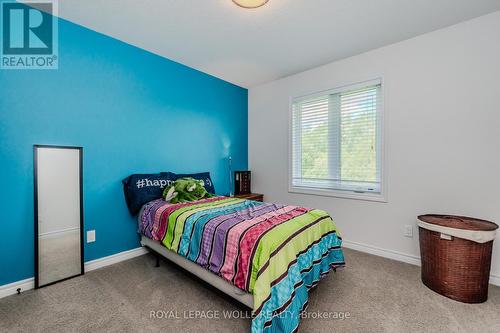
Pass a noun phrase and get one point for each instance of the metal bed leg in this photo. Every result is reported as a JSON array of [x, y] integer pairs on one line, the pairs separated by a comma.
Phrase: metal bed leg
[[157, 261]]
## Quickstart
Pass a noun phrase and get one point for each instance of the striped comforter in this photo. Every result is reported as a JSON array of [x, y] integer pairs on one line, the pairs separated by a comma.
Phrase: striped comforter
[[275, 252]]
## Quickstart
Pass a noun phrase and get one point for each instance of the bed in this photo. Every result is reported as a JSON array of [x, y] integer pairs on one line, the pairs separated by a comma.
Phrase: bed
[[266, 256]]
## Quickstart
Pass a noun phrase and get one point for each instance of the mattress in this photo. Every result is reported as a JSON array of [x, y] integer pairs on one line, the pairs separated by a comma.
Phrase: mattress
[[207, 276], [272, 251]]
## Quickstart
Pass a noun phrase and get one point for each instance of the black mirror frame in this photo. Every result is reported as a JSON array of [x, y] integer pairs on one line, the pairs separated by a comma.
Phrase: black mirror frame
[[35, 197]]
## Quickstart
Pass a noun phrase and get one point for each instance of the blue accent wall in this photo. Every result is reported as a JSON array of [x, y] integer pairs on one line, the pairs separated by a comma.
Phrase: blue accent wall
[[132, 112]]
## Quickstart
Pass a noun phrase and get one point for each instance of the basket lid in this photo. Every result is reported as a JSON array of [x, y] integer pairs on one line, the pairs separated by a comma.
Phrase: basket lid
[[458, 222]]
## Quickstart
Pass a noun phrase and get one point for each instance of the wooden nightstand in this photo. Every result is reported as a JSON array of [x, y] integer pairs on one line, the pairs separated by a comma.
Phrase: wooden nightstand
[[251, 196]]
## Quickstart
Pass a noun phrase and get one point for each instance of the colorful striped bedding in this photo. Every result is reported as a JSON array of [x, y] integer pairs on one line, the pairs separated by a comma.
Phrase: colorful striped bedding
[[275, 252]]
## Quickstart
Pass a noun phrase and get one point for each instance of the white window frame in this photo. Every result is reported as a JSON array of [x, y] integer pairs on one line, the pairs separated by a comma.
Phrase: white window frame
[[379, 197]]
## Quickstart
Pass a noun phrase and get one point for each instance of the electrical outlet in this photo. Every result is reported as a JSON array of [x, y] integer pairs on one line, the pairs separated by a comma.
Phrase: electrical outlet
[[90, 236], [409, 230]]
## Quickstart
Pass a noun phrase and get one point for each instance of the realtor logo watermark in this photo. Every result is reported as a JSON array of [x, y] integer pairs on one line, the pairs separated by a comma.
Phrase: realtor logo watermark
[[29, 35], [237, 314]]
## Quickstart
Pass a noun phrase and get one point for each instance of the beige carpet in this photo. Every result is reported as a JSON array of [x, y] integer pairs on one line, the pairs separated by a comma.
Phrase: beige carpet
[[380, 295]]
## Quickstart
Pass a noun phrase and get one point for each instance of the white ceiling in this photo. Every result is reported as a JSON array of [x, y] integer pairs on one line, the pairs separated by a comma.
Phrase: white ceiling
[[252, 46]]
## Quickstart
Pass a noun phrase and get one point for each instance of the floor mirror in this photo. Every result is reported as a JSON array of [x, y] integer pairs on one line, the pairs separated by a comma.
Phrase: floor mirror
[[58, 213]]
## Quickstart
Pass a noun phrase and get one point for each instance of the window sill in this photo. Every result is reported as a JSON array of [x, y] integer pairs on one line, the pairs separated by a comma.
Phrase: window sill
[[377, 197]]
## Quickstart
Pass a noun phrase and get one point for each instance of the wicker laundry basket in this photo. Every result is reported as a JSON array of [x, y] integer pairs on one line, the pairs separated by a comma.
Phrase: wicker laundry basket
[[456, 255]]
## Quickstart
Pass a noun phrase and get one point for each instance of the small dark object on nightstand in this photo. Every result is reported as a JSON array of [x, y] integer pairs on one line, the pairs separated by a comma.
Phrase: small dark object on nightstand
[[242, 181]]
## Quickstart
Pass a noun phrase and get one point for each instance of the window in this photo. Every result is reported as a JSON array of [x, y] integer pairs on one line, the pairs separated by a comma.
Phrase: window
[[336, 146]]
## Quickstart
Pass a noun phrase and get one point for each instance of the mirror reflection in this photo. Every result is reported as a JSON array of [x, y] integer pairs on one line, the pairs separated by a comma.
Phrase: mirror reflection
[[58, 213]]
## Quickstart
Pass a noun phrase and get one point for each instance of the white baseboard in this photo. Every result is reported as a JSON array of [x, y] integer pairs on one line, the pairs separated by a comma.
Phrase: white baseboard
[[399, 256], [27, 284], [114, 258], [11, 288], [495, 279], [390, 254]]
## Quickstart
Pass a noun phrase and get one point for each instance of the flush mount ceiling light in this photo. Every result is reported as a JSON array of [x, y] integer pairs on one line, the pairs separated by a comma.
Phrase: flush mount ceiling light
[[250, 3]]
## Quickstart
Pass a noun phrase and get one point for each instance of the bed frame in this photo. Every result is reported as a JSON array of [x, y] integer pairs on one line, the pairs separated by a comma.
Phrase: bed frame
[[200, 272]]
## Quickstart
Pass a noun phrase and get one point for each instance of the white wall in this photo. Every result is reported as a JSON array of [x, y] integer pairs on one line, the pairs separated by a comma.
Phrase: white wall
[[442, 129]]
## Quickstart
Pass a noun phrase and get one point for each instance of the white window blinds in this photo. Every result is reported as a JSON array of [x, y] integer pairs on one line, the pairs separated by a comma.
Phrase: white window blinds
[[336, 140]]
